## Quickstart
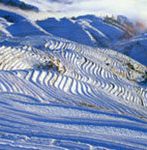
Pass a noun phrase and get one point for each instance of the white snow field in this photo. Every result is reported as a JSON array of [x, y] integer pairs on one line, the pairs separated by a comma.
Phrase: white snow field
[[58, 93], [135, 47]]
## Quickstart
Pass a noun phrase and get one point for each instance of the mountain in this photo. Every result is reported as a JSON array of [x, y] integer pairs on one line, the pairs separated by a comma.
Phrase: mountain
[[62, 86], [107, 32], [116, 33], [19, 25], [18, 4], [89, 30], [135, 47]]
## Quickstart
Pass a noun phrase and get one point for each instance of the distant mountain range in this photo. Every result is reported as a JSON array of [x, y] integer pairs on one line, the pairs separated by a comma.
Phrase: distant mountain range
[[107, 32]]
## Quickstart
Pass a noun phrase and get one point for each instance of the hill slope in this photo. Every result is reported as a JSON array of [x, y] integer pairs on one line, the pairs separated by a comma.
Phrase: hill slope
[[74, 96], [60, 94]]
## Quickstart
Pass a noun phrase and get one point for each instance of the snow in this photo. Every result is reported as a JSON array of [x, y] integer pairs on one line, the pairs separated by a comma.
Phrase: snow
[[92, 30], [45, 108], [64, 28], [136, 48], [58, 93]]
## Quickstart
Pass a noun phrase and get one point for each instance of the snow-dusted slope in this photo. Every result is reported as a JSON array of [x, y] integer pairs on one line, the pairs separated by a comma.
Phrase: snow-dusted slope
[[3, 25], [56, 94], [89, 30], [30, 124], [19, 25], [60, 94], [100, 32], [66, 28], [136, 48]]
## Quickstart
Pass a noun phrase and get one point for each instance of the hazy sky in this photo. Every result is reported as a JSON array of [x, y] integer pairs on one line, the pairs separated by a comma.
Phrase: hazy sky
[[132, 8]]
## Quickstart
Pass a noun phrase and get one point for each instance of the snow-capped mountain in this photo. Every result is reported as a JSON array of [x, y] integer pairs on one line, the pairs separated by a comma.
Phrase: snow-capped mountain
[[105, 32], [89, 29], [63, 87], [18, 4], [135, 47]]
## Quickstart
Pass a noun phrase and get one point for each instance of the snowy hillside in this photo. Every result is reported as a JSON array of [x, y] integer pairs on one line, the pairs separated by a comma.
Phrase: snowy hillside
[[136, 48], [62, 87], [89, 30], [66, 95], [106, 32]]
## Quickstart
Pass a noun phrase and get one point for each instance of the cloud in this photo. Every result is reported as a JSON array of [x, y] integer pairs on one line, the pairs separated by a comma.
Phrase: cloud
[[136, 9], [133, 9]]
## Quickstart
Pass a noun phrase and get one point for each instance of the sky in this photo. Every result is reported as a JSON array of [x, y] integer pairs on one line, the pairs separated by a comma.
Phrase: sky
[[130, 7], [136, 9], [133, 9]]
